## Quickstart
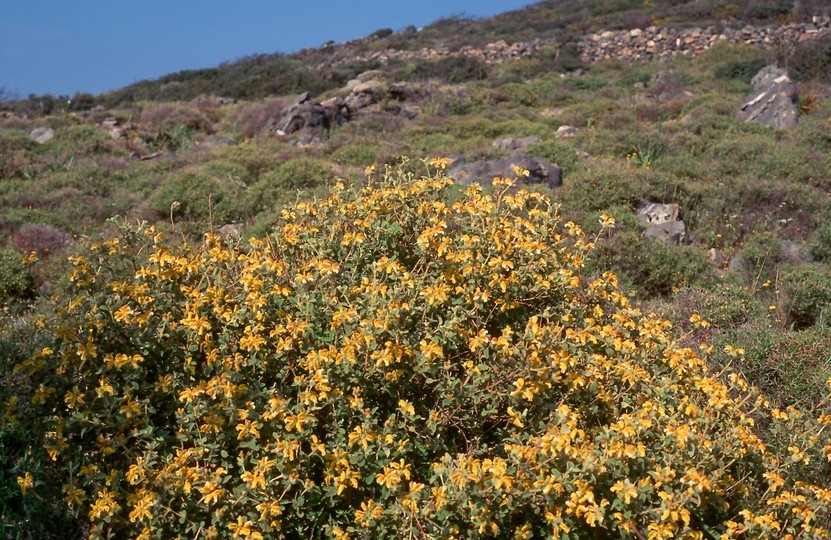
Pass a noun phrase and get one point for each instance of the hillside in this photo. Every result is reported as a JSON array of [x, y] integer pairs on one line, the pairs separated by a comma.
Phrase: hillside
[[634, 120]]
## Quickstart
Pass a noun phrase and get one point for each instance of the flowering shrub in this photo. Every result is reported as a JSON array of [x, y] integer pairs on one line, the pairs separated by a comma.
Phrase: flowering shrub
[[391, 364]]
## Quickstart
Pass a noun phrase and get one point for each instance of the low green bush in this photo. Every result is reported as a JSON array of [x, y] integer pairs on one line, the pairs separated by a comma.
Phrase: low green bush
[[811, 60], [283, 183], [649, 267], [193, 195], [80, 140], [256, 158], [451, 69], [790, 367], [603, 185], [807, 295], [557, 152], [819, 243], [225, 169], [761, 256], [356, 154], [727, 305], [17, 283]]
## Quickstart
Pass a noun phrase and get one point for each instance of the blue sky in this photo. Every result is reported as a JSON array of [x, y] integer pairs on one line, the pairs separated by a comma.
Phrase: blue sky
[[64, 46]]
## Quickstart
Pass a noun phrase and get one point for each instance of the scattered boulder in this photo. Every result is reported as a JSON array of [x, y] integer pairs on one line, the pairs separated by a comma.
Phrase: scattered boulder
[[410, 112], [42, 134], [309, 120], [509, 144], [651, 213], [365, 94], [371, 74], [110, 125], [663, 222], [313, 118], [231, 231], [119, 129], [204, 101], [541, 171], [212, 142], [737, 265], [402, 91], [773, 101], [673, 232], [793, 252], [565, 131]]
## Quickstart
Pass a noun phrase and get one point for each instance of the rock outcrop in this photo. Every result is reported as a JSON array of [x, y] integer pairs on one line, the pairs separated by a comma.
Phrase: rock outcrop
[[313, 118], [541, 171], [663, 222], [773, 101], [309, 120], [514, 146], [42, 134]]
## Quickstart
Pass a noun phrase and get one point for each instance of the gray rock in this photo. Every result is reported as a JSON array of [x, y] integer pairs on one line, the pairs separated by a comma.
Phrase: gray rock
[[650, 213], [371, 74], [402, 91], [793, 252], [216, 141], [232, 231], [565, 132], [409, 111], [42, 134], [674, 232], [509, 144], [365, 94], [773, 101], [663, 222], [110, 125], [737, 265], [716, 257], [308, 116], [541, 171], [766, 76]]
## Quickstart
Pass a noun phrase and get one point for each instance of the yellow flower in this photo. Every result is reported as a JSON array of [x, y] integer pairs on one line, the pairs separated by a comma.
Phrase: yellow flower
[[242, 529], [607, 222], [211, 492], [733, 351], [406, 407], [697, 320], [142, 502], [123, 314], [254, 480], [26, 482], [441, 163], [73, 495], [625, 490], [368, 512], [104, 505]]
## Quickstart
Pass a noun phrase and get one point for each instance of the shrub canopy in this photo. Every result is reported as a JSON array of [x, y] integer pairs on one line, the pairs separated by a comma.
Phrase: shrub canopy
[[392, 364]]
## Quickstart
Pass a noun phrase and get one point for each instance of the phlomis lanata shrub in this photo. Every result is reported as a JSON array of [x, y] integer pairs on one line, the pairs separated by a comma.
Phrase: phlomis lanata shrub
[[389, 363]]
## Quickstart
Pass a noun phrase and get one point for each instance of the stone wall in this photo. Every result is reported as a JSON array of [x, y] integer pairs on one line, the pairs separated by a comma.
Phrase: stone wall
[[655, 42], [637, 44]]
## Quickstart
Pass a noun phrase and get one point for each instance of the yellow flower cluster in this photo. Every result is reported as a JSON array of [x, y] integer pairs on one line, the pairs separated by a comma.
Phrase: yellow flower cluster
[[392, 364]]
